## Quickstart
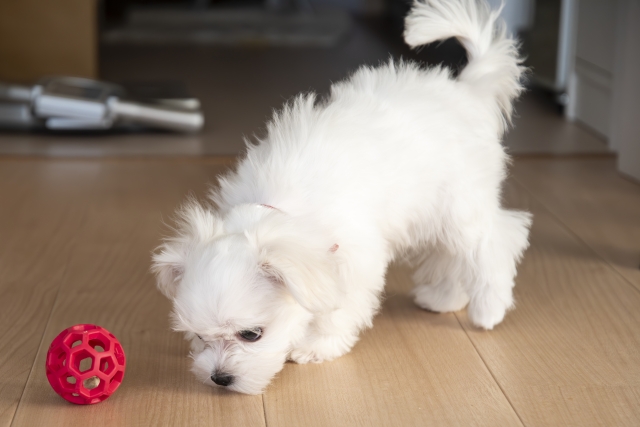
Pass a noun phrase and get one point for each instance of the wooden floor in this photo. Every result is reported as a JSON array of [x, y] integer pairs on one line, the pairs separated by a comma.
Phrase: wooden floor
[[75, 243]]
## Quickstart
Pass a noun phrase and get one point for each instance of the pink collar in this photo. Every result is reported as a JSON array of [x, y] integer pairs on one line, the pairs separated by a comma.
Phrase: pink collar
[[269, 207]]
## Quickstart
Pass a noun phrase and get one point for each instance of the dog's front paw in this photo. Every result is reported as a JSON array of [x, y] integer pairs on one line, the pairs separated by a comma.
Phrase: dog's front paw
[[323, 348], [441, 298], [302, 356]]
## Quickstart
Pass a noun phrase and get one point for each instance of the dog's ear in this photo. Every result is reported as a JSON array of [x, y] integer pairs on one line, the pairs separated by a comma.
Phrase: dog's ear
[[194, 224], [168, 266], [307, 269]]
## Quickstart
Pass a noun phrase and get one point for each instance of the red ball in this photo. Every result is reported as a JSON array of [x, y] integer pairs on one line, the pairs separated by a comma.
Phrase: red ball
[[85, 364]]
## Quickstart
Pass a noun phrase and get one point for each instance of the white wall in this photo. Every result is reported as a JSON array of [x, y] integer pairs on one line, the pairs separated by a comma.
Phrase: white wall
[[517, 14], [604, 89], [625, 114], [591, 83]]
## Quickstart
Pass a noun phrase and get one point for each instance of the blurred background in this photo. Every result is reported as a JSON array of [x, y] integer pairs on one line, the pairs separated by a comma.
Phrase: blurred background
[[240, 59]]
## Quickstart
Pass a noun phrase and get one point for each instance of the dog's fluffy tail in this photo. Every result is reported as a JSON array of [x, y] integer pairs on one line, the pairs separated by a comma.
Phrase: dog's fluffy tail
[[494, 68]]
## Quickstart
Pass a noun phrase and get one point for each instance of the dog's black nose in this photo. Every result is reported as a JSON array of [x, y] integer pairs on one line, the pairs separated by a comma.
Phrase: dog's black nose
[[222, 379]]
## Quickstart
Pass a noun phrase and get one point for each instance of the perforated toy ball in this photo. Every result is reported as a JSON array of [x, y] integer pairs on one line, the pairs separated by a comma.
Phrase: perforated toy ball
[[85, 364]]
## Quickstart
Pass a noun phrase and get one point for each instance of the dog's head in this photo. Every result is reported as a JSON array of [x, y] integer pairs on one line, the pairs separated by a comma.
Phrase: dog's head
[[244, 290]]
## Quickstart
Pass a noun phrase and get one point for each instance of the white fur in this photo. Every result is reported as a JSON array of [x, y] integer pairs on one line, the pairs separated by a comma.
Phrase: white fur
[[398, 158]]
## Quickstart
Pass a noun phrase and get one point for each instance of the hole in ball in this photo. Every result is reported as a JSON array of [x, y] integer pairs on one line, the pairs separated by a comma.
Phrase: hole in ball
[[91, 383], [75, 343], [117, 377], [75, 394], [85, 364], [98, 344], [71, 380]]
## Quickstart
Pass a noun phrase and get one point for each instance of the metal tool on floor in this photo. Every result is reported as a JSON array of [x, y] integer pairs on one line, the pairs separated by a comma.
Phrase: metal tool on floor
[[72, 103]]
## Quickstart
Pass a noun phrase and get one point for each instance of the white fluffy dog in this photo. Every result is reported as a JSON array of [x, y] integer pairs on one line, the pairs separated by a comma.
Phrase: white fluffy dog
[[289, 260]]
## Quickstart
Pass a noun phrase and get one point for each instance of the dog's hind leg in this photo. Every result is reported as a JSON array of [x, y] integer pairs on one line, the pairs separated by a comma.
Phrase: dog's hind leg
[[438, 277], [492, 267]]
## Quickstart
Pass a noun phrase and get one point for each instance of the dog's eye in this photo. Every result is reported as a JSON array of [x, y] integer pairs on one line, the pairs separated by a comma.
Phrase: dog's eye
[[251, 335], [199, 337]]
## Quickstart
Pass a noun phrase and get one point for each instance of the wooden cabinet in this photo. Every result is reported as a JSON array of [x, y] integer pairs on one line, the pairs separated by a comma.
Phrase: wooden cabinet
[[45, 37]]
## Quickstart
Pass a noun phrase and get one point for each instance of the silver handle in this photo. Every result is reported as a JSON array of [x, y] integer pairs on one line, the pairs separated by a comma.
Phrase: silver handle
[[15, 93], [182, 121]]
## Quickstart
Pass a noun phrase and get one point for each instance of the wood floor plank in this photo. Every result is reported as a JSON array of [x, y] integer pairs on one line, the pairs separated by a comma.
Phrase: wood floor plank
[[107, 282], [569, 353], [595, 202], [414, 368], [36, 230]]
